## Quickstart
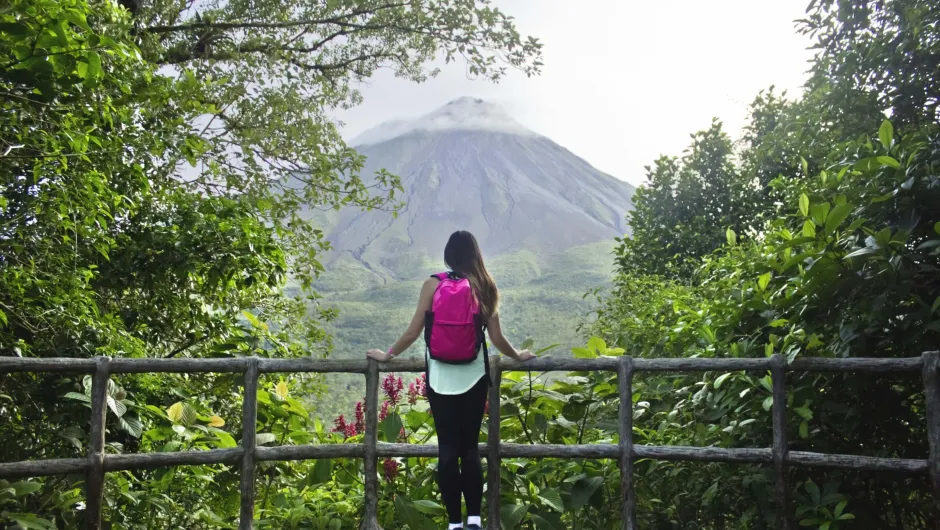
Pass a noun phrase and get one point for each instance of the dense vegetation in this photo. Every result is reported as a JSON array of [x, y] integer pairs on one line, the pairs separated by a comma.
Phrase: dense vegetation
[[818, 236], [146, 211]]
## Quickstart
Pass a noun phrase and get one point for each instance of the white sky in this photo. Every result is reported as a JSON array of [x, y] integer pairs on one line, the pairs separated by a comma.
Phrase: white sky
[[624, 80]]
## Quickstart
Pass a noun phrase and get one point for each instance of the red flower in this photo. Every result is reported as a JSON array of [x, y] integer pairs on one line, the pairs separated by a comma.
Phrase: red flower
[[391, 469], [384, 412], [392, 386], [423, 385], [486, 408], [350, 431], [339, 424], [412, 394], [360, 417]]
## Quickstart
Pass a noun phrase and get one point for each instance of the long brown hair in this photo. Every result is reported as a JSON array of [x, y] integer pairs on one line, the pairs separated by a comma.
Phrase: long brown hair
[[462, 255]]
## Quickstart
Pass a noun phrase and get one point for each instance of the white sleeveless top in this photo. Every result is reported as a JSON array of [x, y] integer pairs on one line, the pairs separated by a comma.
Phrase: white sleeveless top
[[451, 379]]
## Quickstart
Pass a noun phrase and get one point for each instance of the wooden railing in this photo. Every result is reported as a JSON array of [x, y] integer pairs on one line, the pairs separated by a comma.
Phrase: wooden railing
[[96, 463]]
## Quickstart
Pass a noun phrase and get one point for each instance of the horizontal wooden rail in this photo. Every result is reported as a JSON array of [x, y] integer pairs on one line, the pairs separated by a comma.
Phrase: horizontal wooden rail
[[96, 463], [121, 462], [543, 364]]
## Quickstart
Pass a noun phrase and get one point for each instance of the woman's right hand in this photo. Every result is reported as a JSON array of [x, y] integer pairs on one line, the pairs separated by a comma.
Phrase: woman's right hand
[[525, 355], [379, 355]]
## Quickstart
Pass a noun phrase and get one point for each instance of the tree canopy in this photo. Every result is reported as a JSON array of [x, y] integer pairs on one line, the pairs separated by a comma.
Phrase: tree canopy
[[822, 241], [159, 163]]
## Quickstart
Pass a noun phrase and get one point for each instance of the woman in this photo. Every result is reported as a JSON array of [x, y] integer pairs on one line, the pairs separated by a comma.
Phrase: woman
[[457, 392]]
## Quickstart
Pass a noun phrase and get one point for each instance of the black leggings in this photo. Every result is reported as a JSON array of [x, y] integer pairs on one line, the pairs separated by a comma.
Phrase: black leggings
[[458, 419]]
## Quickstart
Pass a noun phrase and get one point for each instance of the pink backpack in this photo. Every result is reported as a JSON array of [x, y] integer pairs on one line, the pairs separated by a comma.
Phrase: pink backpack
[[453, 328]]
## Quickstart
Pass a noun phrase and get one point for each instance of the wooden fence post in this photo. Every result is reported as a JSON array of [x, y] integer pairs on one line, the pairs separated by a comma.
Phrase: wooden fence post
[[492, 443], [778, 365], [931, 371], [249, 437], [370, 520], [94, 481], [625, 390]]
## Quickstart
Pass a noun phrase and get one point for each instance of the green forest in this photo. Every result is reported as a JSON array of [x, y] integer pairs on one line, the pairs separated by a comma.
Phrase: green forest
[[155, 167]]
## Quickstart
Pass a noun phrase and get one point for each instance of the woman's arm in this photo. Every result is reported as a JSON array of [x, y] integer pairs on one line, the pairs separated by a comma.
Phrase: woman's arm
[[414, 328], [496, 335]]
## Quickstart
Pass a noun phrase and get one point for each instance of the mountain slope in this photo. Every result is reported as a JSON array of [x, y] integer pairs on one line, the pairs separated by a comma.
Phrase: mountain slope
[[469, 166]]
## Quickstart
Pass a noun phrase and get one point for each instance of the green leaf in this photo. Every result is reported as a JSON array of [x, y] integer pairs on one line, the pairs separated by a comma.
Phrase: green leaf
[[189, 415], [322, 471], [813, 490], [131, 425], [804, 204], [116, 406], [552, 498], [225, 440], [547, 521], [886, 134], [407, 511], [512, 515], [597, 345], [809, 228], [763, 281], [582, 491], [861, 252], [721, 379], [25, 487], [820, 212], [545, 349], [391, 427], [936, 227], [731, 237], [840, 508], [78, 397], [428, 507], [856, 224], [804, 430], [888, 161], [768, 403], [94, 67], [886, 197], [77, 18], [16, 29], [805, 165], [527, 344], [175, 412], [28, 521], [836, 216], [61, 33], [264, 438], [583, 353], [573, 410]]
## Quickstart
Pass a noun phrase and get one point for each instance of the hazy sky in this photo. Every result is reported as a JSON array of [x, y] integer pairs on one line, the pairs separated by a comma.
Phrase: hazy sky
[[624, 80]]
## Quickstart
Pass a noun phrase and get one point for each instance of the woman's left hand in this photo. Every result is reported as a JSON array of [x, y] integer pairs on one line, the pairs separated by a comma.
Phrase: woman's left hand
[[379, 355]]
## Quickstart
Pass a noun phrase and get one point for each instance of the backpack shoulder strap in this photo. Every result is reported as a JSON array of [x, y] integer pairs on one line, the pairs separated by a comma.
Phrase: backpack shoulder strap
[[441, 276]]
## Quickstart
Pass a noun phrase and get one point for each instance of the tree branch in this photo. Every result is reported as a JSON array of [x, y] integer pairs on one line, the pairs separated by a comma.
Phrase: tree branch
[[271, 25]]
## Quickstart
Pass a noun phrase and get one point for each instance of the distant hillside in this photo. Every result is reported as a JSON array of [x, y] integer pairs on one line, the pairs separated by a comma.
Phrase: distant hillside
[[469, 166]]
